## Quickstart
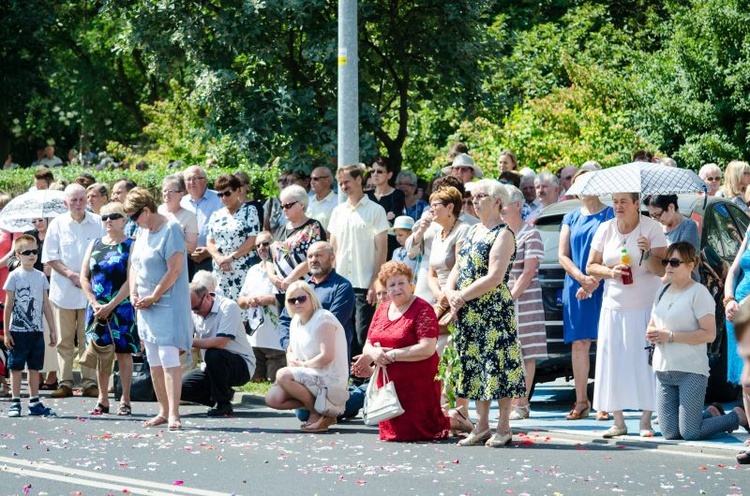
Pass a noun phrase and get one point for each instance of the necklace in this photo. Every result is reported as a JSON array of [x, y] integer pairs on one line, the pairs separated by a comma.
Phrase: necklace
[[675, 295], [624, 238], [444, 234]]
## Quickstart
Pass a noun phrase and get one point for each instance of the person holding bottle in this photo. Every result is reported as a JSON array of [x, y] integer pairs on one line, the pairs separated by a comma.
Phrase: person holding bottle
[[626, 252]]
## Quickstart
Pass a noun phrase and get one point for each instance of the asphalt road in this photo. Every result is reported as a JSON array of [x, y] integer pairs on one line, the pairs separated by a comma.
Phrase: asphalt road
[[260, 452]]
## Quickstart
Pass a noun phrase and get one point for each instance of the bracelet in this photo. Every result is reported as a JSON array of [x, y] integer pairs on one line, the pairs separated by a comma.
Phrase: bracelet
[[393, 355], [671, 337], [729, 298]]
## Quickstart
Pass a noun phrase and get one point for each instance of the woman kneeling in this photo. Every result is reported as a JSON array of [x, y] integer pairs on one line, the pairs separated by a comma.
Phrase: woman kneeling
[[317, 361]]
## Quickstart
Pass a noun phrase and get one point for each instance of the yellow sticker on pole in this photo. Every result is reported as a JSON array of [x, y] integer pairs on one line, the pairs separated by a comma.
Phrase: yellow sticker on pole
[[343, 59]]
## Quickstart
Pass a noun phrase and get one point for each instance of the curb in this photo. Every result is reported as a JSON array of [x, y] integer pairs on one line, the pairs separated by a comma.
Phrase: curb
[[249, 399]]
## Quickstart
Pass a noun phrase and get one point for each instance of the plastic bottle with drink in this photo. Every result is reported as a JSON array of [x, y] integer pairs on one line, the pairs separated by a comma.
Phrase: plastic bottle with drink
[[627, 274]]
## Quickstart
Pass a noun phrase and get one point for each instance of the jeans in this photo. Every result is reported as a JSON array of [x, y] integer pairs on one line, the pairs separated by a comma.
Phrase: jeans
[[213, 385]]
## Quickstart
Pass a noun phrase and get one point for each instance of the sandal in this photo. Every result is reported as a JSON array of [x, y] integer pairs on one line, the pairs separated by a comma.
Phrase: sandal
[[465, 425], [99, 409], [577, 413], [743, 457], [602, 415], [520, 412], [49, 386], [321, 426], [175, 425], [124, 410], [154, 422]]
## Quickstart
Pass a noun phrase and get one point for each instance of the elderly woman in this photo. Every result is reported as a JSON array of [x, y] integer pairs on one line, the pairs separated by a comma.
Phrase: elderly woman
[[172, 190], [97, 195], [526, 291], [682, 323], [317, 361], [231, 236], [736, 179], [582, 293], [624, 380], [742, 337], [485, 332], [258, 299], [290, 254], [406, 182], [711, 175], [403, 338], [110, 318], [160, 294]]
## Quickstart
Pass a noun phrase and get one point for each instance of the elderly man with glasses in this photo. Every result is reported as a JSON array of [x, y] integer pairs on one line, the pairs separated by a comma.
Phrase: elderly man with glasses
[[202, 202], [322, 198]]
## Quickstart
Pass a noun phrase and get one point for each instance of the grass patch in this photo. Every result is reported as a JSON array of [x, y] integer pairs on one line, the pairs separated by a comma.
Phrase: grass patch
[[256, 388]]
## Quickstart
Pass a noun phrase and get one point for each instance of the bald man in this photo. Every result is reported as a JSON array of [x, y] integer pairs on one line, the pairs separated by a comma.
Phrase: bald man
[[202, 202]]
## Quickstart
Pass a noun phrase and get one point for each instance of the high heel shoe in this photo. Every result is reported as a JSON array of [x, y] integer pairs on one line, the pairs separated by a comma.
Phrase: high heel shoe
[[577, 413], [462, 419], [476, 438], [520, 412]]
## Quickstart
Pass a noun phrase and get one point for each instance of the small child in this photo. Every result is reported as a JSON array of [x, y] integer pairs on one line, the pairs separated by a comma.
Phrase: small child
[[402, 226], [25, 301]]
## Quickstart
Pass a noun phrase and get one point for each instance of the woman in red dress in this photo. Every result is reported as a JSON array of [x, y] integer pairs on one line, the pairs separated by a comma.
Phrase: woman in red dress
[[403, 337]]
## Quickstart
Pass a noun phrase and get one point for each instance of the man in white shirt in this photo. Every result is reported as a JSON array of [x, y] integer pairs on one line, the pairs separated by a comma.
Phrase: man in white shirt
[[68, 238], [202, 202], [227, 355], [323, 199], [359, 232], [50, 159], [547, 190]]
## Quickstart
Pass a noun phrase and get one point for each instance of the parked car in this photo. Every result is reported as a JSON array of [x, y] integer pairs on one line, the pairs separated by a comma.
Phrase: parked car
[[721, 225]]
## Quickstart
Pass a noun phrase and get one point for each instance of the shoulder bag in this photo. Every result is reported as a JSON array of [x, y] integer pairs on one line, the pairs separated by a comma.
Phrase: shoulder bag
[[381, 403]]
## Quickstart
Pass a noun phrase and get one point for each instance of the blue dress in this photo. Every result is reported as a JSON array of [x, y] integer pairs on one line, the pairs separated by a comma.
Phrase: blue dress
[[581, 317], [734, 362], [109, 271]]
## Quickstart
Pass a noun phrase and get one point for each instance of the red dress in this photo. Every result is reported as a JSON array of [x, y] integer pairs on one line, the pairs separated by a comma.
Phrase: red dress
[[417, 389]]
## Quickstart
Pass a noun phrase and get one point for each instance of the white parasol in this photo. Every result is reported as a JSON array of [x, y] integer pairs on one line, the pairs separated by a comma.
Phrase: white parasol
[[21, 210], [638, 177]]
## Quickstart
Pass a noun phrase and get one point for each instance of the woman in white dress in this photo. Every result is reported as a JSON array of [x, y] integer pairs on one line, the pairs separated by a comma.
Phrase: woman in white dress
[[317, 361], [624, 380]]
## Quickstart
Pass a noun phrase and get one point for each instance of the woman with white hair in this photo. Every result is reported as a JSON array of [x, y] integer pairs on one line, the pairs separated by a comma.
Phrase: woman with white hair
[[485, 331], [414, 206], [736, 179], [290, 254], [711, 175], [526, 291]]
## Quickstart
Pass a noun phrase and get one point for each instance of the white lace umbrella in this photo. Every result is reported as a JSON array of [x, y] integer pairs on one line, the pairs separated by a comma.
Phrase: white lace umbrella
[[21, 210], [638, 177]]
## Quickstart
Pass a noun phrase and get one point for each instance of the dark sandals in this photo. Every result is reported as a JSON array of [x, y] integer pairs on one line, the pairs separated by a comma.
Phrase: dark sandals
[[99, 409], [743, 457], [124, 410]]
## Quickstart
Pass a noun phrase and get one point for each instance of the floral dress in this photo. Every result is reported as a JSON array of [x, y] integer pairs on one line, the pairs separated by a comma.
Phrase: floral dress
[[109, 271], [486, 340], [291, 252], [229, 232]]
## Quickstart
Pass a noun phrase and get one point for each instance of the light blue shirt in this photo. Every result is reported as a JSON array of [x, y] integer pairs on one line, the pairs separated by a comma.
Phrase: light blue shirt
[[202, 209]]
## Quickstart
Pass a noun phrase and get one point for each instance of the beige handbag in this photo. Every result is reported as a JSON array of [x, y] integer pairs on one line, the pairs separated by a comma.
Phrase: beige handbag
[[381, 403], [96, 356]]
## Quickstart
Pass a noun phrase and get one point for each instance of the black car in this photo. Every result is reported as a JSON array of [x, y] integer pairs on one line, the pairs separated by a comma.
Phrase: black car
[[721, 225]]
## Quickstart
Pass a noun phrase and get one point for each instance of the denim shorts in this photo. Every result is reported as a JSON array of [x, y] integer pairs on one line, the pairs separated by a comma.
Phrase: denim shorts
[[28, 350]]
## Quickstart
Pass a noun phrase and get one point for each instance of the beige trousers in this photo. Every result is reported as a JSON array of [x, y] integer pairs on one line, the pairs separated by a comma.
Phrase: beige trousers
[[70, 325]]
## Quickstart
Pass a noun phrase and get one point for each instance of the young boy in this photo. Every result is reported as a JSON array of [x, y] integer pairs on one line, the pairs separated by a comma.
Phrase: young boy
[[25, 301], [402, 226]]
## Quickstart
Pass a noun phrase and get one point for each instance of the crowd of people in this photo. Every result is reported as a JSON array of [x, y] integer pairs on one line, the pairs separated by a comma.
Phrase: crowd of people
[[316, 295]]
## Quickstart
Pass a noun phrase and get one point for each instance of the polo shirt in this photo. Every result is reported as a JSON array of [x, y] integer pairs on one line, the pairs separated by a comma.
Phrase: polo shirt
[[203, 208], [355, 228], [67, 241], [225, 321], [321, 210]]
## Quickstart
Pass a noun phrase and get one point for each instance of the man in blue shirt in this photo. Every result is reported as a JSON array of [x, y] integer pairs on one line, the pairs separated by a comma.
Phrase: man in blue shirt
[[202, 202], [334, 291]]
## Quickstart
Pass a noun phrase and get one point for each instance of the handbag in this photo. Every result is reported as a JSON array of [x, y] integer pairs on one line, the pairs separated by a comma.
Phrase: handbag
[[381, 403], [652, 347], [95, 355], [141, 386]]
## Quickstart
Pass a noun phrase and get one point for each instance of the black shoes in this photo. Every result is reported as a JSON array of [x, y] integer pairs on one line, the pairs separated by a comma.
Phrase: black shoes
[[220, 410]]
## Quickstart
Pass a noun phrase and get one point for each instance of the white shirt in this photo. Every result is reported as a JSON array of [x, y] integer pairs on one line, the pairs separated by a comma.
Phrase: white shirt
[[355, 228], [680, 312], [265, 320], [321, 210], [67, 241]]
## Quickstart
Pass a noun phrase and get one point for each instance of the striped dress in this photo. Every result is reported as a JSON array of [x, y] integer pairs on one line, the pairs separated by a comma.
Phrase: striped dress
[[529, 306]]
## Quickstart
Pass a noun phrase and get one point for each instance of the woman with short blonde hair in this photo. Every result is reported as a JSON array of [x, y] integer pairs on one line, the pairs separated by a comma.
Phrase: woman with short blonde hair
[[736, 179]]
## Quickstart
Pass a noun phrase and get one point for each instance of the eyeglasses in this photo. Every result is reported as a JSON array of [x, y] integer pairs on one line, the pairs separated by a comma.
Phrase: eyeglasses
[[436, 204], [657, 216], [37, 220], [479, 196], [29, 252], [567, 178], [226, 193], [717, 178], [200, 303], [287, 206], [166, 192], [464, 169], [114, 216], [673, 262], [134, 217], [264, 244], [194, 178], [297, 300], [318, 178]]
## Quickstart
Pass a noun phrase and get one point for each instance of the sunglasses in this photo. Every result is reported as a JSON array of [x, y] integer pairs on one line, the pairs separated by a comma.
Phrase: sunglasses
[[29, 252], [107, 217], [672, 261], [297, 300], [264, 244], [226, 193], [287, 206], [37, 220], [200, 303], [717, 178], [134, 217]]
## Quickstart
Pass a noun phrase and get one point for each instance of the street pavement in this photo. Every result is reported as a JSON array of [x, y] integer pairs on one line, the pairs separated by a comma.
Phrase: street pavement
[[260, 451]]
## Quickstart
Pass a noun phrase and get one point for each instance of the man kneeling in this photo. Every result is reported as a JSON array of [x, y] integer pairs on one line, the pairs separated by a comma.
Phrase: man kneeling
[[228, 359]]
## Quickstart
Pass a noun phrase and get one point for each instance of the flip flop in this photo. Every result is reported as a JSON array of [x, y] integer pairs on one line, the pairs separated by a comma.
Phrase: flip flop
[[156, 421]]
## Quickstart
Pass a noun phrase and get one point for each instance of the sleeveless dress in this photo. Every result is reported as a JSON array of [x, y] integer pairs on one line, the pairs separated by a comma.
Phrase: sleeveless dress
[[734, 361], [418, 391], [109, 270], [486, 339], [581, 317]]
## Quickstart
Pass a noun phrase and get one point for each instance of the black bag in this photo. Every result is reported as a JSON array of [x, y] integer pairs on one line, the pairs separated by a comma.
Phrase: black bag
[[141, 388], [652, 346]]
